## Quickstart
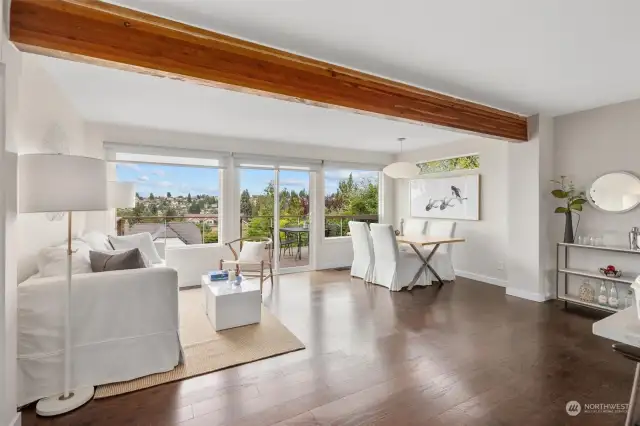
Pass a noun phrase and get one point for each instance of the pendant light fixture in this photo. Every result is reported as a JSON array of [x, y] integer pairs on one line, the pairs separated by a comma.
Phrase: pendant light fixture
[[401, 169]]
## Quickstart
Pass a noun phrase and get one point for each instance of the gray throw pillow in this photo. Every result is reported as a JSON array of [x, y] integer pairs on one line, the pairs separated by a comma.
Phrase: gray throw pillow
[[102, 262]]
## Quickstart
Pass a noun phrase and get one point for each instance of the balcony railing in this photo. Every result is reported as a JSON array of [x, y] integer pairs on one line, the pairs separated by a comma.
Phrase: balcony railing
[[338, 225], [175, 230], [334, 225], [203, 229], [263, 226]]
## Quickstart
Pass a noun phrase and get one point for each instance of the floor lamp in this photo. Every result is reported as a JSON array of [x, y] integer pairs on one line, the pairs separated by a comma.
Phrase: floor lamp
[[62, 183], [121, 195]]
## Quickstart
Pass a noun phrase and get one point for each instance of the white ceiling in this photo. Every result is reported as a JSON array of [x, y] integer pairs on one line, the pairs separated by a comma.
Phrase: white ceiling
[[526, 56], [113, 96], [547, 56]]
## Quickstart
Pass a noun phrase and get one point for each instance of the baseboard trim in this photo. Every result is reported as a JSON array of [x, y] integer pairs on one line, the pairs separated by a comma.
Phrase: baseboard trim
[[332, 265], [482, 278], [17, 420], [189, 287], [528, 295]]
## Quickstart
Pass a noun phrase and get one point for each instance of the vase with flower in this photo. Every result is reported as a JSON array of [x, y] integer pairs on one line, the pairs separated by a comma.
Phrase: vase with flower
[[573, 201]]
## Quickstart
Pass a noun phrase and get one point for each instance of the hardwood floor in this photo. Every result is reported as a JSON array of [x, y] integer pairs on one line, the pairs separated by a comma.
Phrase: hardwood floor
[[462, 355]]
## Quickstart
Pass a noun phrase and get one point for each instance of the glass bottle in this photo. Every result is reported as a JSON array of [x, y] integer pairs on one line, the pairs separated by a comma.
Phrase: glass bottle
[[613, 296], [628, 300], [602, 297]]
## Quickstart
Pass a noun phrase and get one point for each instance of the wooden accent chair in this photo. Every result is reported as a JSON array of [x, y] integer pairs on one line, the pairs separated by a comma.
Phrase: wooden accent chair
[[251, 255]]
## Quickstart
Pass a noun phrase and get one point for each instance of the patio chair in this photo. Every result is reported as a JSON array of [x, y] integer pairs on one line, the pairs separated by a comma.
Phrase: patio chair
[[251, 255], [287, 242]]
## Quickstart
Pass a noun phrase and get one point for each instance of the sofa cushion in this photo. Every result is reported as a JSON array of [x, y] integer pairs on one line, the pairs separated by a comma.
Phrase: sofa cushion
[[147, 262], [142, 241], [97, 241], [252, 251], [130, 259], [52, 261]]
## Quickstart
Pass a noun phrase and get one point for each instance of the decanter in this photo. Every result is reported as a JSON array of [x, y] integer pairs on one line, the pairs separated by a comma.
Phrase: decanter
[[602, 298], [613, 296], [628, 300]]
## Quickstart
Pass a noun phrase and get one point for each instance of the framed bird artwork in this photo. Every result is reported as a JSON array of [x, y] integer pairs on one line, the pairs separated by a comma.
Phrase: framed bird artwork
[[455, 197]]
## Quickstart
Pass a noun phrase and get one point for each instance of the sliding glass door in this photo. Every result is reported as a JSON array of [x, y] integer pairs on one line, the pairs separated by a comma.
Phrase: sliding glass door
[[275, 203], [294, 219]]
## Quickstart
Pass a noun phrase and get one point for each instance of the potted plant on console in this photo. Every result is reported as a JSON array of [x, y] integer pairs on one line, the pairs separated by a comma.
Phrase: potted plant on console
[[573, 201]]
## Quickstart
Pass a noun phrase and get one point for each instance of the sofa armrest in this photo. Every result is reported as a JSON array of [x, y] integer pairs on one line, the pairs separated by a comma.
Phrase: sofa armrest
[[161, 248], [104, 305], [195, 260]]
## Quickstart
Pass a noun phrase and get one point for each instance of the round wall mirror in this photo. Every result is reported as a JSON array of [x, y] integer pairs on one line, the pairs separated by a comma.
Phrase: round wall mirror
[[615, 192]]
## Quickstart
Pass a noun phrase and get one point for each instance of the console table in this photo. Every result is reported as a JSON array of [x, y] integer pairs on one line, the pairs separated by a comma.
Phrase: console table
[[565, 270]]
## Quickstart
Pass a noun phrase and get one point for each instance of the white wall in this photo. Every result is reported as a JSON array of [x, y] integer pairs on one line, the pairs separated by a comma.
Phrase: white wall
[[45, 122], [483, 256], [4, 179], [589, 144], [36, 118], [9, 72], [529, 173], [157, 137]]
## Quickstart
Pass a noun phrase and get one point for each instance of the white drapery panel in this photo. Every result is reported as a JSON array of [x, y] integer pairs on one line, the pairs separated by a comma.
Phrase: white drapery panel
[[265, 162], [130, 153]]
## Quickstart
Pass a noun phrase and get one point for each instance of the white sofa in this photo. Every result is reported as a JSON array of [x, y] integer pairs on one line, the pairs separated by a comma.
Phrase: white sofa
[[124, 325]]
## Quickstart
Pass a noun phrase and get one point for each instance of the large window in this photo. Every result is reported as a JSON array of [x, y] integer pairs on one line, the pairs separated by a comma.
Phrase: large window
[[349, 195], [467, 162], [258, 212], [177, 204]]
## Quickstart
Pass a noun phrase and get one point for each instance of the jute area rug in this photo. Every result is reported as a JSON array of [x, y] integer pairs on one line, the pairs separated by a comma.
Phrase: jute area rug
[[206, 350]]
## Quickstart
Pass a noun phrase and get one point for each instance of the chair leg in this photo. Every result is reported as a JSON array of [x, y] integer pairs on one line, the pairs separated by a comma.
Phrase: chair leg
[[261, 274], [271, 275]]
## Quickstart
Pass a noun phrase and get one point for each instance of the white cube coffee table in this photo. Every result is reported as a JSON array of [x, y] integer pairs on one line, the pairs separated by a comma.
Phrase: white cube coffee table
[[230, 306]]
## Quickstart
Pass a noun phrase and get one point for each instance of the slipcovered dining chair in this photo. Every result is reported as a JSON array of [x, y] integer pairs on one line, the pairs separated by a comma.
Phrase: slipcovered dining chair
[[362, 266], [413, 227], [392, 268], [250, 261], [442, 260]]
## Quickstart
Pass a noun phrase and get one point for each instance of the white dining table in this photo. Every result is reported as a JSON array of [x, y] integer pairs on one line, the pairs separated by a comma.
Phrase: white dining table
[[417, 241], [624, 327]]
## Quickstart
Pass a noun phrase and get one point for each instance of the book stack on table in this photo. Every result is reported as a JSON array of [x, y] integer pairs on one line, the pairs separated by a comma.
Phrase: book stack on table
[[219, 275]]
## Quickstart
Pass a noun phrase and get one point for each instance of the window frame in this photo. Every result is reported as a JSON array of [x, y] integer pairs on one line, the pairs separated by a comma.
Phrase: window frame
[[355, 167], [219, 216]]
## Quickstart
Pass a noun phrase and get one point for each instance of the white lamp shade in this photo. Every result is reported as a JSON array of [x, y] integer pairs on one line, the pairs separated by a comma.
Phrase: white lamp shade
[[58, 183], [121, 194], [401, 170]]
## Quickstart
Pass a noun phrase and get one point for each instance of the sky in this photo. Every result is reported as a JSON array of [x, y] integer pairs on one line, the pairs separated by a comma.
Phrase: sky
[[180, 180]]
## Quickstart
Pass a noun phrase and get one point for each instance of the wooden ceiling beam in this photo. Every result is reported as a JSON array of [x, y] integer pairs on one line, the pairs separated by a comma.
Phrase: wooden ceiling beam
[[101, 33]]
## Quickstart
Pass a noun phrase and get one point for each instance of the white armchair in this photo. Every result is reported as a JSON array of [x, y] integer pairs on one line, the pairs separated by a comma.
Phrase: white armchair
[[393, 269], [124, 326], [363, 256]]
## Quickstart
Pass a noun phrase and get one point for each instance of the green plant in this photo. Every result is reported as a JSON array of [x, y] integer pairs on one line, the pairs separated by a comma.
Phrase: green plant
[[574, 199]]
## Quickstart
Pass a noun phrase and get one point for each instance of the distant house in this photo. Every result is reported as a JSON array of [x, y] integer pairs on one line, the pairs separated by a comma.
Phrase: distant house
[[202, 218]]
